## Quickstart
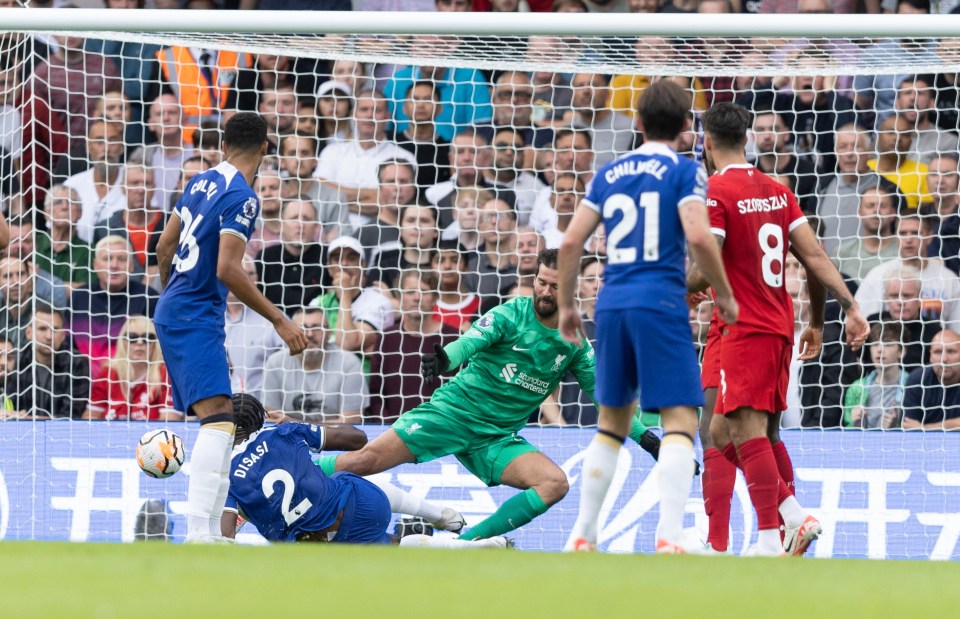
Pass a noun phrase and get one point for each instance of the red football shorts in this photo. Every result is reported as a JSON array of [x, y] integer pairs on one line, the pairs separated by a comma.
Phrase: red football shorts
[[710, 370], [754, 371]]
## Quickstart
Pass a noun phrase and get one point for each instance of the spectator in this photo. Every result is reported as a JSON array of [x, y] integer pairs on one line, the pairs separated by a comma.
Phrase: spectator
[[16, 286], [507, 172], [932, 397], [297, 160], [914, 103], [101, 186], [4, 233], [611, 133], [942, 181], [902, 304], [945, 88], [877, 240], [140, 222], [572, 152], [278, 106], [269, 187], [464, 228], [334, 109], [71, 80], [528, 246], [840, 198], [567, 191], [512, 97], [46, 286], [876, 400], [291, 271], [396, 189], [356, 313], [418, 243], [250, 338], [775, 155], [395, 382], [552, 94], [206, 140], [113, 108], [8, 366], [893, 163], [167, 156], [272, 70], [321, 384], [422, 106], [100, 309], [464, 95], [492, 271], [456, 306], [878, 93], [939, 286], [58, 249], [133, 385], [51, 380]]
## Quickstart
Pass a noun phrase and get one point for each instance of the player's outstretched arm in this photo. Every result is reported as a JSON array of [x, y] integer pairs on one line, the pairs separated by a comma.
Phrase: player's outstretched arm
[[228, 524], [230, 272], [167, 247], [343, 437], [818, 265], [706, 254], [583, 224]]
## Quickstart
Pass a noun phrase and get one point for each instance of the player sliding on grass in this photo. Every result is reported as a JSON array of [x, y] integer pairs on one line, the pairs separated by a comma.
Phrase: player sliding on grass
[[517, 358], [756, 221], [275, 485]]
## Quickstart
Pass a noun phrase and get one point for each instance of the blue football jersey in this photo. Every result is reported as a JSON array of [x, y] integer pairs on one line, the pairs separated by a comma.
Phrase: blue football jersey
[[639, 196], [218, 201], [277, 487]]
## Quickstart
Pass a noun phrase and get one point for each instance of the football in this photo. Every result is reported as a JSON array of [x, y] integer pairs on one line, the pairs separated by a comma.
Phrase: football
[[160, 453]]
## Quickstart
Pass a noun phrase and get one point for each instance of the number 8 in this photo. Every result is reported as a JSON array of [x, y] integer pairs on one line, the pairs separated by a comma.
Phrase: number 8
[[772, 254]]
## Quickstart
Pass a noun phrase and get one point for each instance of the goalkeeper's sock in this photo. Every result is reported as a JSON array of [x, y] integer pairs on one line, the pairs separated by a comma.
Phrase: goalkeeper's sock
[[763, 481], [676, 476], [719, 476], [636, 430], [515, 512], [402, 502], [206, 466], [214, 522], [784, 464], [327, 464], [596, 473]]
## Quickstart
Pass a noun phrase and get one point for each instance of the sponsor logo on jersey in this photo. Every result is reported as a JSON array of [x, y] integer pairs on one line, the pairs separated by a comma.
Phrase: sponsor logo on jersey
[[762, 205], [711, 202], [243, 221], [250, 207], [508, 371], [522, 379], [557, 362], [414, 428]]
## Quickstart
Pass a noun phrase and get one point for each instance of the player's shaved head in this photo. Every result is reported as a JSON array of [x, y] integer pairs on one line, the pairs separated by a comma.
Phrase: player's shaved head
[[245, 132], [663, 110], [727, 124]]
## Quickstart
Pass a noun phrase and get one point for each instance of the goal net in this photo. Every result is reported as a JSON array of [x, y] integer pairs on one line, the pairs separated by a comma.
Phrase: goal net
[[414, 173]]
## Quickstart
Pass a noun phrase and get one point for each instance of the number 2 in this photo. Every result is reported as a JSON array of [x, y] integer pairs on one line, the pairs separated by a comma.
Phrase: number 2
[[650, 203], [285, 478]]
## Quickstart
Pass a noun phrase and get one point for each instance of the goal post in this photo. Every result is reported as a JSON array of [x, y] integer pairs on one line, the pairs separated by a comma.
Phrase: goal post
[[449, 149]]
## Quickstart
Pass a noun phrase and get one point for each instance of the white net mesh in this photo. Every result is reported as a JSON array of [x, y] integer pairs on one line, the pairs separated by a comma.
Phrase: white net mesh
[[448, 162]]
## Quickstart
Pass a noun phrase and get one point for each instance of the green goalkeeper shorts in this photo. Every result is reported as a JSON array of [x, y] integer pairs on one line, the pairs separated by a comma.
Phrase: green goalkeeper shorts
[[432, 431]]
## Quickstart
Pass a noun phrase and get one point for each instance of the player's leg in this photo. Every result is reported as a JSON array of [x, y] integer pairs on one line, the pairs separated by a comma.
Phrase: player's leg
[[676, 473], [518, 465], [366, 515], [617, 379], [799, 527], [719, 474], [784, 463], [382, 453], [402, 502]]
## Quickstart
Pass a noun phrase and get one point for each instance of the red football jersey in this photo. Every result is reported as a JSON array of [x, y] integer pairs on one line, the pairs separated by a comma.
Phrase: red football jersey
[[106, 398], [755, 215]]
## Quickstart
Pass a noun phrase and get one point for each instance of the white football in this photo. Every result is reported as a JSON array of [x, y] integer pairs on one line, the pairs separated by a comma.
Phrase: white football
[[160, 453]]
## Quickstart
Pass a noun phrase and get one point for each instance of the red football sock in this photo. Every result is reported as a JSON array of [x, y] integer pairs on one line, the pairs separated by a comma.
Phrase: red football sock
[[784, 465], [718, 478], [730, 453], [760, 469]]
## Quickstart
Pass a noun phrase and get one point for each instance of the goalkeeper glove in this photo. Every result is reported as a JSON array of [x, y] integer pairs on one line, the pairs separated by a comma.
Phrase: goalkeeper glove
[[432, 366], [650, 443]]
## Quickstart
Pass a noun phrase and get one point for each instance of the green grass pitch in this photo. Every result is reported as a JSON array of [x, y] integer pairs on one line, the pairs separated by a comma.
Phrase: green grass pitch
[[168, 581]]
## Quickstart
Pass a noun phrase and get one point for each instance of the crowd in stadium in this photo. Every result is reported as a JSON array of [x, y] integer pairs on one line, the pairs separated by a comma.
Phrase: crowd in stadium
[[401, 203]]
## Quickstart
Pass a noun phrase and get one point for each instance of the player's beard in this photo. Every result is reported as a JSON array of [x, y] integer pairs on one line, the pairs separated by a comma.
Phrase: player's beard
[[544, 306]]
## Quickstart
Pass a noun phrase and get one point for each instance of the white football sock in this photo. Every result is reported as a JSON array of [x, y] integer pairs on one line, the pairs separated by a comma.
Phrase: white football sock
[[596, 473], [676, 477], [206, 465], [769, 541], [402, 502], [791, 511], [222, 492]]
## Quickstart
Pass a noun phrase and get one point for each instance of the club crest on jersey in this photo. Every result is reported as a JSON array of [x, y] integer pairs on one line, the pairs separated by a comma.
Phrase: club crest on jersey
[[250, 208], [557, 362]]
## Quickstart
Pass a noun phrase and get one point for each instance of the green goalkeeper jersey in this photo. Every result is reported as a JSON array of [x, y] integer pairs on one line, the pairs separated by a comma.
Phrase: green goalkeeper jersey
[[515, 362]]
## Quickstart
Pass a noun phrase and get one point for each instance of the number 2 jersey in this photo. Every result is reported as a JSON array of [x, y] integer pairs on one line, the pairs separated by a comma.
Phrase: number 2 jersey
[[755, 215], [216, 202], [639, 196], [275, 484]]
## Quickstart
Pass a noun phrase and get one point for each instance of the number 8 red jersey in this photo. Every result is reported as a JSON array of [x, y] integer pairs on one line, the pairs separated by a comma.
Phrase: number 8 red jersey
[[755, 215]]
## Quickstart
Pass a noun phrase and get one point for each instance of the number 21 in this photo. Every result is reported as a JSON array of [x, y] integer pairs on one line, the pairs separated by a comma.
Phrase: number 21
[[650, 203]]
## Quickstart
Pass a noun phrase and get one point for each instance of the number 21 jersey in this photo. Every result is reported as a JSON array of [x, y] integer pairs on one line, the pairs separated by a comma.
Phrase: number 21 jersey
[[755, 215], [639, 196], [218, 201]]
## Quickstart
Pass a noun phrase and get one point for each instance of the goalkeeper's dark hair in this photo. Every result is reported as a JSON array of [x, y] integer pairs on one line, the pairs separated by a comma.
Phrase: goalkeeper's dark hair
[[726, 124], [547, 258], [248, 413], [245, 132], [663, 110]]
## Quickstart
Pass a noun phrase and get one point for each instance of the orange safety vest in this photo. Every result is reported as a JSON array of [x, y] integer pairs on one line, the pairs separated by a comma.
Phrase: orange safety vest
[[199, 98]]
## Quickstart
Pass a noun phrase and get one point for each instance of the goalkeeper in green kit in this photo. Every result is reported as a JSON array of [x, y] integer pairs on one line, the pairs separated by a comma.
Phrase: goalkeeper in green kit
[[517, 358]]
